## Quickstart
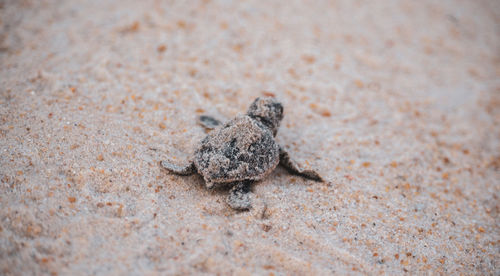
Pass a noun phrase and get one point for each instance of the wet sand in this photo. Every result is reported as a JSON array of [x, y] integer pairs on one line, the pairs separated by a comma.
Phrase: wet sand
[[395, 103]]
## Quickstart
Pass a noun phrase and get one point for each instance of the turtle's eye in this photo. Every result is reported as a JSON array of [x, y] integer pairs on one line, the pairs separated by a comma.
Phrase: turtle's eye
[[278, 109]]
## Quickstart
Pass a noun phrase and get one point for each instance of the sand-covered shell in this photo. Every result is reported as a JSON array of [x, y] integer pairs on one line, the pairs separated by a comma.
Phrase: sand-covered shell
[[241, 149]]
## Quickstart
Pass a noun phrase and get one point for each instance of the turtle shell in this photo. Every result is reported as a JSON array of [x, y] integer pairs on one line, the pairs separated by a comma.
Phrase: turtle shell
[[241, 149]]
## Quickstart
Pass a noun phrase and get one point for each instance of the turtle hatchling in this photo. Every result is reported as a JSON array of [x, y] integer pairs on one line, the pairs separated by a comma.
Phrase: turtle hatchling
[[241, 151]]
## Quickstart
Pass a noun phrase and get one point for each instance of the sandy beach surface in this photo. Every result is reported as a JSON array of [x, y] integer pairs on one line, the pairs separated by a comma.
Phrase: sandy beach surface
[[395, 103]]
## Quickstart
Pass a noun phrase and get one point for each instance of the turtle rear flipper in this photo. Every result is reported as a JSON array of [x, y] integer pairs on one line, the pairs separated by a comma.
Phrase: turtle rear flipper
[[292, 167], [239, 196], [180, 170], [208, 122]]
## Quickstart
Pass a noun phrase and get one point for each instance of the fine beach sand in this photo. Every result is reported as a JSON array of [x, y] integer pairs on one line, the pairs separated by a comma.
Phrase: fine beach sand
[[395, 103]]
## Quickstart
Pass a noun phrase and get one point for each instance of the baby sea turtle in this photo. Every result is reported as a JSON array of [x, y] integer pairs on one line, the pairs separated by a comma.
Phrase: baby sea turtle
[[241, 151]]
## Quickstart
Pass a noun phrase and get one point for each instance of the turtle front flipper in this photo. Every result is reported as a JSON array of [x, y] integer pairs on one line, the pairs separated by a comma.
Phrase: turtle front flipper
[[208, 122], [239, 196], [292, 167], [180, 170]]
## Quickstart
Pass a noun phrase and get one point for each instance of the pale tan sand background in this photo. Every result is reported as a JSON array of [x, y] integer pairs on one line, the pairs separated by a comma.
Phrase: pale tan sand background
[[396, 103]]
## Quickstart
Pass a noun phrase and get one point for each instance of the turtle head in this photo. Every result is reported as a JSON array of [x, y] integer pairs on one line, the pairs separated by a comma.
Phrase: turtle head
[[268, 111]]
